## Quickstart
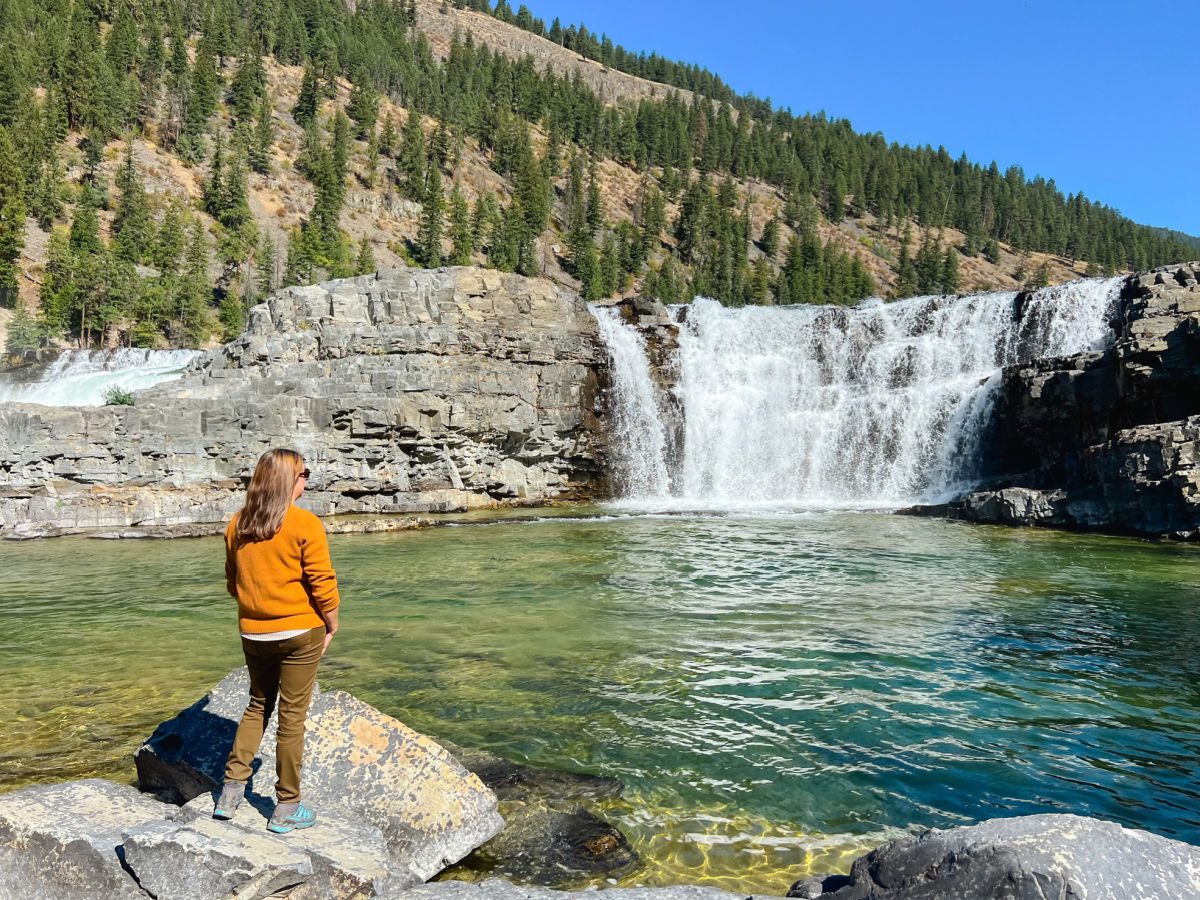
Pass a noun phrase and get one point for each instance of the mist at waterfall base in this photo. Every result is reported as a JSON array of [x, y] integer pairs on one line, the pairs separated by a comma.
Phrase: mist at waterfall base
[[792, 408], [83, 377]]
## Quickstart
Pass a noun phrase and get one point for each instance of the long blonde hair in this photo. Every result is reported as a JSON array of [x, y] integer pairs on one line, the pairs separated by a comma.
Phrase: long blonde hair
[[269, 494]]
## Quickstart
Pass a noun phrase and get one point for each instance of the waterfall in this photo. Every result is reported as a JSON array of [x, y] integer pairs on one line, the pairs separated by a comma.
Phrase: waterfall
[[880, 405], [639, 438], [81, 377]]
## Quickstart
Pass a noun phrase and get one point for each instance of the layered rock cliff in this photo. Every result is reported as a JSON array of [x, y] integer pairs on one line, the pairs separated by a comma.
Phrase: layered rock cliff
[[407, 391], [1105, 441]]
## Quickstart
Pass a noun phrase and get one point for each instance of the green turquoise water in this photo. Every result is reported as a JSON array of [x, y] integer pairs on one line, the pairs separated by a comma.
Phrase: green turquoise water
[[776, 693]]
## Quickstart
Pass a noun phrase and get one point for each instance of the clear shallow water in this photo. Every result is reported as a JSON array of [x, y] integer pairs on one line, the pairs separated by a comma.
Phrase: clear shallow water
[[777, 693]]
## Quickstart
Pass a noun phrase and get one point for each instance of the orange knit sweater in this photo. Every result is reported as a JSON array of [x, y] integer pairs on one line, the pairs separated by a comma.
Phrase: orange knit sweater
[[283, 583]]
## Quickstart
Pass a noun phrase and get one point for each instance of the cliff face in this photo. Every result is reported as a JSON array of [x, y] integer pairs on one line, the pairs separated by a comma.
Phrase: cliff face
[[407, 391], [1106, 441]]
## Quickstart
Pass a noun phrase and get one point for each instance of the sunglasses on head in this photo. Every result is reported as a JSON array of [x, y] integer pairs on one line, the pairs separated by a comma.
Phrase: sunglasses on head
[[304, 473]]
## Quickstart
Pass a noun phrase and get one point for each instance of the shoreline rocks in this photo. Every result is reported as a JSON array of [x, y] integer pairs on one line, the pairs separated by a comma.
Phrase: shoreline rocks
[[1023, 858]]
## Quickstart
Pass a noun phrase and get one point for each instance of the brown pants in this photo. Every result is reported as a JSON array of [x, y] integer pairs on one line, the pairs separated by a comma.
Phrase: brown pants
[[283, 670]]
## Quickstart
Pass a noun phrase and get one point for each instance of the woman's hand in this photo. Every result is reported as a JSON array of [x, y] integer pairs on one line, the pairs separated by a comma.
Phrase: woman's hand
[[331, 627]]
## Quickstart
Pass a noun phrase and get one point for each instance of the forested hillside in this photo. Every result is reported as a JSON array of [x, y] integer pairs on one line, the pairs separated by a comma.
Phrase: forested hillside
[[165, 163]]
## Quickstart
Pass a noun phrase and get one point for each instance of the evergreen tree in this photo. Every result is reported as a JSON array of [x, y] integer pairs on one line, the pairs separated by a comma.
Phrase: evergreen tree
[[770, 238], [23, 332], [248, 85], [429, 236], [232, 315], [259, 151], [363, 109], [266, 275], [195, 292], [132, 226], [167, 251], [12, 217], [950, 271], [305, 110], [387, 137], [365, 263], [906, 281], [461, 236], [411, 161]]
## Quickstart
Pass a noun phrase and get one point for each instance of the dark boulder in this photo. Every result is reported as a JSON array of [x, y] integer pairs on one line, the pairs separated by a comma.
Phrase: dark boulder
[[1024, 858]]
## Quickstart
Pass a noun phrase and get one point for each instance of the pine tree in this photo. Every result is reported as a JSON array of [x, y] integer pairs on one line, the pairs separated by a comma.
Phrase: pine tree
[[770, 238], [387, 137], [23, 332], [232, 315], [131, 224], [595, 203], [167, 250], [461, 236], [305, 110], [950, 271], [364, 264], [906, 275], [410, 163], [12, 217], [429, 235], [195, 292], [259, 151], [363, 108], [248, 85], [266, 275]]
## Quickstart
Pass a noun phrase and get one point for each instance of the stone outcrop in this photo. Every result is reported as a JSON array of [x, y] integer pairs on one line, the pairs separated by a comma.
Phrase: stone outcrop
[[1024, 858], [359, 766], [1105, 441], [408, 391], [62, 840]]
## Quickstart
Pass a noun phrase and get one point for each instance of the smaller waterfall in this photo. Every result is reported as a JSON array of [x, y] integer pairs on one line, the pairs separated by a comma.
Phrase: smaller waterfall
[[639, 436], [81, 377]]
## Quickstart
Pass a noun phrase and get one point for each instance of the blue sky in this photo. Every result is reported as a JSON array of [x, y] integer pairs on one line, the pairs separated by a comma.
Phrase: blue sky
[[1102, 96]]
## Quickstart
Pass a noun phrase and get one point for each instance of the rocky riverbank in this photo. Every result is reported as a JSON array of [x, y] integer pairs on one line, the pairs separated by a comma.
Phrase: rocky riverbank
[[395, 809], [1104, 441], [408, 392]]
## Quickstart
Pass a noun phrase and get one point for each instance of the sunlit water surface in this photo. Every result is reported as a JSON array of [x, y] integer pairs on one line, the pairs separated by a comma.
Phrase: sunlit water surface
[[777, 693]]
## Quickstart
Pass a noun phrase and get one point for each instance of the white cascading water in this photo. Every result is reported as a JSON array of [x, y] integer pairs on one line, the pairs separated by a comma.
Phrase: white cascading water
[[639, 436], [81, 377], [881, 405]]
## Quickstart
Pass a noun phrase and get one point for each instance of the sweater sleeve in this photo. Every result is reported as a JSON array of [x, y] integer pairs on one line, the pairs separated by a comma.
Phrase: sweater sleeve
[[318, 568], [230, 560]]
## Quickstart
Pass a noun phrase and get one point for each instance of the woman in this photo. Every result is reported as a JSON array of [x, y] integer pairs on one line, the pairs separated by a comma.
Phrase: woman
[[277, 568]]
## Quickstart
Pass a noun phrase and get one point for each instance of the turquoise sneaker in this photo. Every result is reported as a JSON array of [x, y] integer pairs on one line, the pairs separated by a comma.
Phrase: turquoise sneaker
[[291, 817], [231, 798]]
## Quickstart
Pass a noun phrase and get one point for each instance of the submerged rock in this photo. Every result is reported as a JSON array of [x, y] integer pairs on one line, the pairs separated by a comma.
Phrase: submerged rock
[[359, 765], [1023, 858], [550, 837], [499, 889]]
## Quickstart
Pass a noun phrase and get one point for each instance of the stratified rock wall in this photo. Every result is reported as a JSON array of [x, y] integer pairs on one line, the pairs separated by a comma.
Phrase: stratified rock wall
[[1106, 441], [407, 391]]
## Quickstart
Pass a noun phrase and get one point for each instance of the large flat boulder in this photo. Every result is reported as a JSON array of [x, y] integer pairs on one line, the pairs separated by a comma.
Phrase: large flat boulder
[[62, 841], [360, 765], [1024, 858]]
